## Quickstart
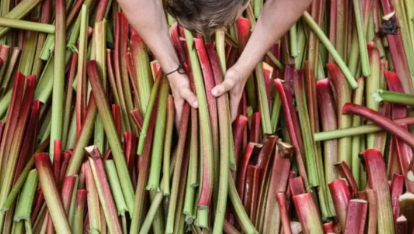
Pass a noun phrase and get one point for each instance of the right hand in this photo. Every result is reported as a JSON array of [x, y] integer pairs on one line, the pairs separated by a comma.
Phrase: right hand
[[180, 87]]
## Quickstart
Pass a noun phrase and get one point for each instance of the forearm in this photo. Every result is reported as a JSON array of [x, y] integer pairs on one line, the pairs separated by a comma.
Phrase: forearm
[[148, 19], [276, 19]]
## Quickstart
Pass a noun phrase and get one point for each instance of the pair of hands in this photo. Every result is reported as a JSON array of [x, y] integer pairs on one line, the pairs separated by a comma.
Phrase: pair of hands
[[234, 82]]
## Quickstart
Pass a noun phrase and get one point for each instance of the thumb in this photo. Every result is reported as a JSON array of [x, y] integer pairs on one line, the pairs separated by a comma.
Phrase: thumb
[[224, 87]]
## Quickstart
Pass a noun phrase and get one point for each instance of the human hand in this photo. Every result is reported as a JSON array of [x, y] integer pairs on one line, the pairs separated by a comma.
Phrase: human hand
[[233, 83], [180, 88]]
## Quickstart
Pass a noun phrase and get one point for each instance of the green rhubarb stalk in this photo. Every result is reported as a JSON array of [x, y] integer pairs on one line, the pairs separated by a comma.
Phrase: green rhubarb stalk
[[373, 84], [325, 41], [144, 78], [257, 6], [27, 25], [147, 117], [29, 50], [311, 165], [159, 136], [274, 60], [299, 60], [156, 202], [277, 106], [24, 205], [77, 28], [100, 56], [204, 120], [115, 187], [225, 147], [409, 8], [356, 121], [18, 12], [393, 97], [9, 73], [192, 177], [111, 133], [361, 38], [293, 41], [245, 221], [68, 100], [263, 102], [72, 208], [59, 74], [167, 145]]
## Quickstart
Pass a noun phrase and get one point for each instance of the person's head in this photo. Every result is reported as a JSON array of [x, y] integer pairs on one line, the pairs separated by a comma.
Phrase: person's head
[[205, 16]]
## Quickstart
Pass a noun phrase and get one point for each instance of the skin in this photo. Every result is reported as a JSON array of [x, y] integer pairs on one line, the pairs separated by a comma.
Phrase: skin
[[148, 19]]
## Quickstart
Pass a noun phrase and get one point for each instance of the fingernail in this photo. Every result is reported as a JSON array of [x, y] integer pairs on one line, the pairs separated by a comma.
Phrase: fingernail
[[214, 92], [195, 104]]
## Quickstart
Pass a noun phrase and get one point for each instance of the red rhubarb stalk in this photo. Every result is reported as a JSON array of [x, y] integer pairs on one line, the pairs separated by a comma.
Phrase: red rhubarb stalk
[[401, 226], [344, 121], [377, 180], [294, 137], [51, 194], [326, 105], [308, 213], [341, 195], [281, 199], [249, 152], [255, 128], [296, 186], [380, 120], [116, 115], [356, 217], [104, 191], [345, 172], [397, 187], [239, 126]]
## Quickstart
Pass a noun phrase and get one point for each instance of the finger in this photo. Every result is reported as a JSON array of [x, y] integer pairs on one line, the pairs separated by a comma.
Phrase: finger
[[190, 97], [234, 106], [224, 87], [178, 102]]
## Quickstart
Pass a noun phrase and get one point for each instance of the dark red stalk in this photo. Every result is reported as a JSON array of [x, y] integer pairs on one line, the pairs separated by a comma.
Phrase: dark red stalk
[[131, 143], [239, 126], [250, 151], [229, 228], [57, 159], [255, 128], [397, 187], [137, 117], [345, 172], [377, 180], [37, 204], [281, 199], [380, 120], [341, 195], [29, 139], [67, 190], [243, 30], [288, 190], [12, 117], [393, 166], [178, 44], [328, 228], [249, 193], [401, 225], [116, 115], [65, 163], [296, 186], [265, 153], [332, 28], [100, 11], [356, 217], [292, 125], [74, 12], [311, 94]]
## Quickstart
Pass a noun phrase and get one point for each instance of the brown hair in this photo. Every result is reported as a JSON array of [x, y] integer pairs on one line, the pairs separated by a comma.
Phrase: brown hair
[[205, 16]]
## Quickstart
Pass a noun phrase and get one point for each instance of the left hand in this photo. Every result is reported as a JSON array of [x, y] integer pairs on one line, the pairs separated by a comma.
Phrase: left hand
[[233, 83]]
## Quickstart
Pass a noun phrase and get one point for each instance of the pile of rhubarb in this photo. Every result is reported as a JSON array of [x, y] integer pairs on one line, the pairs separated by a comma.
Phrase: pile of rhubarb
[[322, 142]]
